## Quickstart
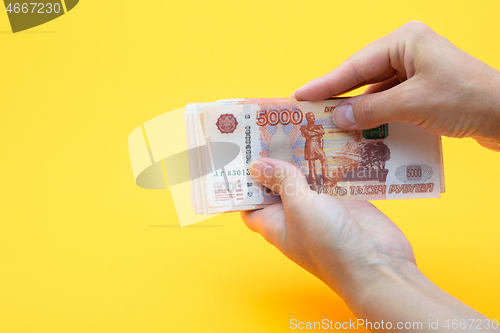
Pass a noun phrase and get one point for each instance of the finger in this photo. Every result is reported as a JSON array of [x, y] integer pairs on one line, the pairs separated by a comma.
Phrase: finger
[[381, 86], [372, 110], [379, 61], [369, 65], [283, 178], [269, 222]]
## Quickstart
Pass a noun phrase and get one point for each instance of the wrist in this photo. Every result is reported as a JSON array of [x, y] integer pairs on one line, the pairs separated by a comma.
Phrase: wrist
[[396, 290], [380, 282]]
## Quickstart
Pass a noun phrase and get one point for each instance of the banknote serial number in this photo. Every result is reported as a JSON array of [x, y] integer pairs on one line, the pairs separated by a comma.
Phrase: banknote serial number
[[237, 172], [34, 8]]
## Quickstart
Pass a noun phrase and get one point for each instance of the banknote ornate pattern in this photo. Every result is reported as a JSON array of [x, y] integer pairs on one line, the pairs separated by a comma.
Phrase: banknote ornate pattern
[[227, 123], [414, 173]]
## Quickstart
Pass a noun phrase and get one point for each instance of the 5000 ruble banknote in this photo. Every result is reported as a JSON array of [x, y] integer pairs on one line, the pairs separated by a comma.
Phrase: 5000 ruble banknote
[[393, 161]]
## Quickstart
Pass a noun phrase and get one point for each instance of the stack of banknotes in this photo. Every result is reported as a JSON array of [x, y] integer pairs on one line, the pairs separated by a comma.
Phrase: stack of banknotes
[[393, 161]]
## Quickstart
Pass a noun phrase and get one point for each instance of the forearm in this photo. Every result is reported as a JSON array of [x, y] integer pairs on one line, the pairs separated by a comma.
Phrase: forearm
[[402, 294]]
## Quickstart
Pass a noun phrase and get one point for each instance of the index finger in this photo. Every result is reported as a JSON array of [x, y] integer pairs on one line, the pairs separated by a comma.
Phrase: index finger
[[376, 62]]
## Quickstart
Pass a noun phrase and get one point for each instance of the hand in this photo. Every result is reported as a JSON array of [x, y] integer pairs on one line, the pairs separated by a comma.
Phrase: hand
[[419, 77], [353, 247], [342, 243]]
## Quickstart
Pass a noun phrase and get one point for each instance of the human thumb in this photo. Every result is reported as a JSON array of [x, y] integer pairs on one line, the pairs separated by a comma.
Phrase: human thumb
[[282, 178], [372, 110]]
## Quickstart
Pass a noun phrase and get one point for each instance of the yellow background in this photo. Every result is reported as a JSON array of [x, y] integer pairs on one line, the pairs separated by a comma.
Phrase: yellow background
[[83, 249]]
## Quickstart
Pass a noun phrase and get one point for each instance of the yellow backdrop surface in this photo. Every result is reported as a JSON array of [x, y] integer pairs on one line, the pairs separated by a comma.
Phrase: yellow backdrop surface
[[83, 249]]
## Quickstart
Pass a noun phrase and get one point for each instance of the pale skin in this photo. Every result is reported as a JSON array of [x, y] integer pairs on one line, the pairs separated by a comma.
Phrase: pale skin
[[415, 76]]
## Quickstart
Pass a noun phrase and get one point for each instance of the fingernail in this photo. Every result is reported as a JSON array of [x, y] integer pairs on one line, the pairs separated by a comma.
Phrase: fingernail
[[344, 116], [261, 172], [292, 95]]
